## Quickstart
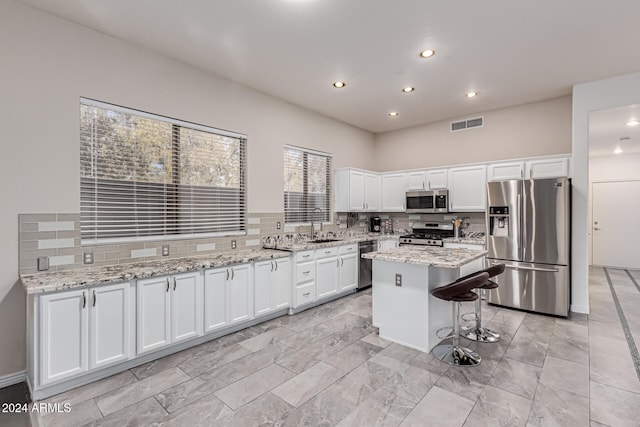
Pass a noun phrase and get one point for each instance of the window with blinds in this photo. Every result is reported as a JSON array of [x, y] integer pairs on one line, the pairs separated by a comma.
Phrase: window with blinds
[[307, 185], [144, 177]]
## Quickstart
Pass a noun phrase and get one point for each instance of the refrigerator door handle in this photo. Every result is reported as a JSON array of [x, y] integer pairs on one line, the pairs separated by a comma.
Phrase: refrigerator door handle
[[519, 224], [521, 267]]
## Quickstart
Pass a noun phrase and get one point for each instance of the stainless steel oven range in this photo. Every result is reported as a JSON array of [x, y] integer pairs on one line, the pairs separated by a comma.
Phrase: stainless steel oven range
[[428, 234]]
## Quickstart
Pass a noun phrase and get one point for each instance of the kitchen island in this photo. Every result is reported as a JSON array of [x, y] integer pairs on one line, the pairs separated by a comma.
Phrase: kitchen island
[[403, 308]]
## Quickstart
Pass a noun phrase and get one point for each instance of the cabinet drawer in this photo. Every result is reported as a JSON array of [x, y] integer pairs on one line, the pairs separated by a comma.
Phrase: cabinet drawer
[[305, 272], [349, 249], [304, 256], [326, 252], [305, 294]]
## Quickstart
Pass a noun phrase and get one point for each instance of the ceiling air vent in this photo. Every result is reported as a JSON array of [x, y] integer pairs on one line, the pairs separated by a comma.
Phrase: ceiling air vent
[[476, 122]]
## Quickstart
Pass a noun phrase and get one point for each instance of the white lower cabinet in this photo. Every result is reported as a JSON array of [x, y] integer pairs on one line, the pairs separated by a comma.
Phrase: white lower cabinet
[[169, 310], [84, 329], [348, 271], [327, 276], [228, 296], [271, 285]]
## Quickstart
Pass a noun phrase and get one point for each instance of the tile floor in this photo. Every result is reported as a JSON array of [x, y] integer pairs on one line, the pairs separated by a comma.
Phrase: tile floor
[[327, 366]]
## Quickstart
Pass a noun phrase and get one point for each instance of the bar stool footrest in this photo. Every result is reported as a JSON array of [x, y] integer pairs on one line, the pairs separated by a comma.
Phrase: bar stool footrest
[[457, 356], [479, 334]]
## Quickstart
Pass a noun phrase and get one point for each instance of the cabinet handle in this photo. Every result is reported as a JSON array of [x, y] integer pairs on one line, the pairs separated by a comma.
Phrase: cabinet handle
[[429, 187], [306, 256], [271, 265], [306, 272], [521, 173], [232, 273], [227, 274], [306, 294], [327, 252], [167, 284], [276, 263], [174, 283], [94, 298], [84, 299], [337, 262], [531, 172], [341, 262], [423, 185]]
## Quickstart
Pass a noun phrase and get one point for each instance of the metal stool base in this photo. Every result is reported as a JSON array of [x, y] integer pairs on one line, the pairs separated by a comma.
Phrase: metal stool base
[[480, 334], [457, 356]]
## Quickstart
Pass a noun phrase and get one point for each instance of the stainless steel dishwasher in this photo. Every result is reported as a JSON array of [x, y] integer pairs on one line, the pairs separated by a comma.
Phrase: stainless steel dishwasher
[[364, 276]]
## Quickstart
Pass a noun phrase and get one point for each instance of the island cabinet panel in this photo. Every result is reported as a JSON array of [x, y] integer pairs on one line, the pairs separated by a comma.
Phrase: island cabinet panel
[[64, 332], [111, 335]]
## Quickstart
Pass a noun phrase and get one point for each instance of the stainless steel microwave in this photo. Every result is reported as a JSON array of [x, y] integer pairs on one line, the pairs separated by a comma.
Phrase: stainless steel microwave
[[427, 201]]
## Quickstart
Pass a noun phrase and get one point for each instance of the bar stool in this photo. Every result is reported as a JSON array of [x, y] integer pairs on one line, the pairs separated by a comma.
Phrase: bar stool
[[477, 332], [457, 292]]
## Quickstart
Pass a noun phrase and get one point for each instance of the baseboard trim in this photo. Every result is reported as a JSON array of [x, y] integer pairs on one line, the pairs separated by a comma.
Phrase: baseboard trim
[[11, 379], [583, 309]]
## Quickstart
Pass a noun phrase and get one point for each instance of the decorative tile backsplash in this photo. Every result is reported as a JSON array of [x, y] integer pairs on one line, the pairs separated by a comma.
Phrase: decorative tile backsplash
[[57, 237]]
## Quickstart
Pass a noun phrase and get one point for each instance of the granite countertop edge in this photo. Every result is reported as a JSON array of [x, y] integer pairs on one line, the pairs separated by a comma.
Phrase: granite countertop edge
[[430, 256], [110, 274]]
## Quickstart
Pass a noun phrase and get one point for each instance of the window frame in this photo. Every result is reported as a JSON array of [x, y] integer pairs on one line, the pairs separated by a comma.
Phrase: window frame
[[243, 161]]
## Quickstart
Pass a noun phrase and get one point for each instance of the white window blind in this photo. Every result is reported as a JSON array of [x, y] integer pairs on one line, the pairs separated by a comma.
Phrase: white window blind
[[145, 176], [307, 185]]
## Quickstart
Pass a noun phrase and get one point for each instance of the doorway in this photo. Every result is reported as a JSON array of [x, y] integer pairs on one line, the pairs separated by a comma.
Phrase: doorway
[[616, 224]]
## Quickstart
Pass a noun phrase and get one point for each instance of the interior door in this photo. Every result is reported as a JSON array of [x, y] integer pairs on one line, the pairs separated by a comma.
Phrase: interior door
[[615, 228]]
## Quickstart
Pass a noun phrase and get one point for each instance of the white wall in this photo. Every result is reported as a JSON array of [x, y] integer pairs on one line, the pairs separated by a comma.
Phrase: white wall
[[621, 167], [48, 64], [587, 97], [535, 129]]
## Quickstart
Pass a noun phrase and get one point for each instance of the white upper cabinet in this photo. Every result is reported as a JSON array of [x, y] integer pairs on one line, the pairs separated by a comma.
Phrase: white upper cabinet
[[432, 179], [393, 192], [467, 189], [502, 171], [356, 191], [416, 180], [547, 168], [437, 179]]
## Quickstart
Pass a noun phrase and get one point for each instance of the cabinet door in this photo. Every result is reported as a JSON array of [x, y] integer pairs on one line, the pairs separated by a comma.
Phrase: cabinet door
[[356, 191], [371, 192], [111, 325], [153, 314], [281, 284], [262, 286], [468, 189], [437, 178], [548, 168], [240, 293], [186, 306], [348, 272], [327, 276], [63, 335], [393, 192], [503, 171], [216, 299], [416, 180]]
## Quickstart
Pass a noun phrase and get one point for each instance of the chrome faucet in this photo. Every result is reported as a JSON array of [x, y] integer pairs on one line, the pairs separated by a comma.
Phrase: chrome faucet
[[313, 228]]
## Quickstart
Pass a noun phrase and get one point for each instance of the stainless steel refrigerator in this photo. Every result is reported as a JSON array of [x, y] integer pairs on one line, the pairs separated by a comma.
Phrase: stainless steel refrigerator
[[529, 230]]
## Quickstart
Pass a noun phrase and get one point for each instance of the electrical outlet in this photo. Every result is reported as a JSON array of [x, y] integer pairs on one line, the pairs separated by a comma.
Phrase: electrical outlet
[[398, 279], [337, 222], [87, 257], [278, 225], [165, 250], [43, 263], [233, 244]]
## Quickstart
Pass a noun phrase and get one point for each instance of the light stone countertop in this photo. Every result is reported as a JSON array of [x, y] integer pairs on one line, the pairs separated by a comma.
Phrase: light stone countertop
[[466, 240], [340, 240], [90, 276], [432, 256]]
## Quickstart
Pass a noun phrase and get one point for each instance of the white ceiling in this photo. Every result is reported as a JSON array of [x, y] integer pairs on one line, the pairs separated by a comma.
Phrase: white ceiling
[[606, 127], [511, 52]]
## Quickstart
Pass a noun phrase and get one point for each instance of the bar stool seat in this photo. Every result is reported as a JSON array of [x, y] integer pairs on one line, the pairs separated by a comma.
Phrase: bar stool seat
[[458, 291], [477, 332]]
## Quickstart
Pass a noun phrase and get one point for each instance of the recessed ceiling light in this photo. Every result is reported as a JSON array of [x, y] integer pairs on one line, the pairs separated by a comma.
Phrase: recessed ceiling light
[[339, 84], [427, 53], [618, 150], [472, 94], [393, 113], [633, 123], [408, 89]]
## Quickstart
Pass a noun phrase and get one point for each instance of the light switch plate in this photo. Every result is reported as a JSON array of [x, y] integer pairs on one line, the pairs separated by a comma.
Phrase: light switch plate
[[43, 263], [165, 250], [398, 279], [87, 257], [233, 244]]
